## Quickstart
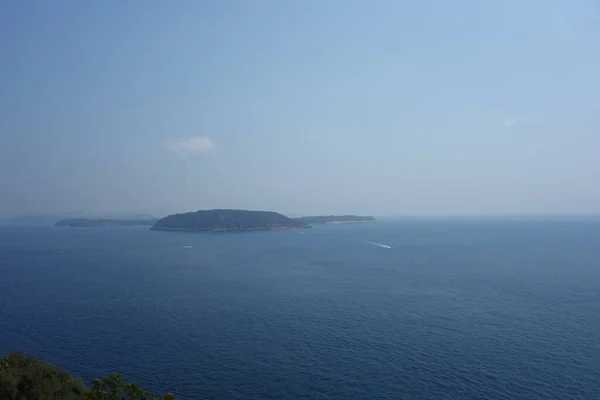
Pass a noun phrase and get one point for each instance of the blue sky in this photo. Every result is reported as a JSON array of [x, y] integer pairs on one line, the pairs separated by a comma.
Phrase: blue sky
[[379, 107]]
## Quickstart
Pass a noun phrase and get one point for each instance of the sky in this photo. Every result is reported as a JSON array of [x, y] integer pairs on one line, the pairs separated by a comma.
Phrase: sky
[[303, 107]]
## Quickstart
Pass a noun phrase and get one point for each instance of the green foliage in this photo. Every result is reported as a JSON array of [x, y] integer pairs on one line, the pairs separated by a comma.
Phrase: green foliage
[[24, 377], [114, 387], [27, 378]]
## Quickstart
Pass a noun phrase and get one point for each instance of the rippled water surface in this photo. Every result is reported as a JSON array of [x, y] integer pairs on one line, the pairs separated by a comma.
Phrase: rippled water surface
[[455, 309]]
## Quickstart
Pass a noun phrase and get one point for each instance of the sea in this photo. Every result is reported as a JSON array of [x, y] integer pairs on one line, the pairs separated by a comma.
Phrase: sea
[[471, 308]]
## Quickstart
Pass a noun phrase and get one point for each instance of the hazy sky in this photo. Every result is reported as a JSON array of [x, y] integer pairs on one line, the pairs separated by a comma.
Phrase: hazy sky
[[300, 106]]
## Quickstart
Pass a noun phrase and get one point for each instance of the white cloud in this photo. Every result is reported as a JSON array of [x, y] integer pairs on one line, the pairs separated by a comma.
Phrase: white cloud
[[509, 122], [193, 146]]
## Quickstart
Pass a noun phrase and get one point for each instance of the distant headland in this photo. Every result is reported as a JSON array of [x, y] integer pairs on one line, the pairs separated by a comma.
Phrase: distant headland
[[336, 219], [220, 220], [92, 223], [227, 221]]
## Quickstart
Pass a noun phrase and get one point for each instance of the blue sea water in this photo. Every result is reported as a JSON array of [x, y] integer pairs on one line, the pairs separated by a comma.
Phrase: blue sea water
[[456, 309]]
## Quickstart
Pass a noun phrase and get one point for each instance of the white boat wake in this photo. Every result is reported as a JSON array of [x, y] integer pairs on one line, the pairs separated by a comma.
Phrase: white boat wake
[[385, 246]]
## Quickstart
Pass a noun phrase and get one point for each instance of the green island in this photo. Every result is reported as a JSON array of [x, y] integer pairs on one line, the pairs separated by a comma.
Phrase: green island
[[336, 219], [93, 223], [228, 221], [24, 377]]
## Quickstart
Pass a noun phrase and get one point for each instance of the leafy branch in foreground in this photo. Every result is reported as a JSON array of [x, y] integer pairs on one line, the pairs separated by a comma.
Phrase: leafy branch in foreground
[[24, 377]]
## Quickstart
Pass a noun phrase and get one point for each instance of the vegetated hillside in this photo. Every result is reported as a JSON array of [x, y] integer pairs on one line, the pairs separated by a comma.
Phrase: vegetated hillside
[[24, 377], [88, 222], [228, 221], [324, 219]]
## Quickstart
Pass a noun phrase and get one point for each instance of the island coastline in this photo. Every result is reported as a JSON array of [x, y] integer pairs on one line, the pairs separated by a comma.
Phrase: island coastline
[[215, 221]]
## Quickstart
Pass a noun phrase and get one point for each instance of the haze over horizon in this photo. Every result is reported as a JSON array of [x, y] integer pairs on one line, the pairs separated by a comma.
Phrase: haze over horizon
[[377, 108]]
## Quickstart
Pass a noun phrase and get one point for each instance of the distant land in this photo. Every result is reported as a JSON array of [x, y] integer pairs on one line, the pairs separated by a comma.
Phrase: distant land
[[92, 223], [34, 220], [227, 221], [336, 219]]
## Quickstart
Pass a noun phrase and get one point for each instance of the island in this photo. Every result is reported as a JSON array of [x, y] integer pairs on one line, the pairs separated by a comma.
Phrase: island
[[93, 223], [228, 221], [336, 219]]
